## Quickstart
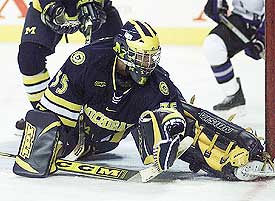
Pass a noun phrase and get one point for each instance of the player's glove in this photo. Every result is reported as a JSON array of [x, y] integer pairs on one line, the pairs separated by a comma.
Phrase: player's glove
[[214, 8], [54, 16], [91, 16], [256, 48], [160, 132], [165, 153]]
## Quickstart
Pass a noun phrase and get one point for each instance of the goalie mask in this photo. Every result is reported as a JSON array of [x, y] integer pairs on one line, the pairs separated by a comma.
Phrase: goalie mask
[[137, 45]]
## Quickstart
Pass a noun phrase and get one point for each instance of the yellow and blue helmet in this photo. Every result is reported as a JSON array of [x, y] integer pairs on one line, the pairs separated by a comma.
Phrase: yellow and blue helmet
[[137, 45]]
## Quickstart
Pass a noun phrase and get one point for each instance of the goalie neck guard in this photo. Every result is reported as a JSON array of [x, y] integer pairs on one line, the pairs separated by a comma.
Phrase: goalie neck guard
[[137, 45]]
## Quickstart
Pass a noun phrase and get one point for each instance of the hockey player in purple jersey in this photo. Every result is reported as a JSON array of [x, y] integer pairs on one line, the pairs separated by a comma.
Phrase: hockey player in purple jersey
[[115, 87], [224, 42]]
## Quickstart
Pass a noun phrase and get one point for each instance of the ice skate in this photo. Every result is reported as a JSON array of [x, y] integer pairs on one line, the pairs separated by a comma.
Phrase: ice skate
[[233, 101]]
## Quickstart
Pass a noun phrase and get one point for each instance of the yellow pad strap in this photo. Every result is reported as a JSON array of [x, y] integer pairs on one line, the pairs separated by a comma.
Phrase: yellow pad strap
[[227, 151], [198, 131], [207, 153]]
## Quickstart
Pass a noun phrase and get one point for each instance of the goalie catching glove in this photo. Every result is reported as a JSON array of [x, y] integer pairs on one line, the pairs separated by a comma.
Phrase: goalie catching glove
[[158, 136], [54, 16]]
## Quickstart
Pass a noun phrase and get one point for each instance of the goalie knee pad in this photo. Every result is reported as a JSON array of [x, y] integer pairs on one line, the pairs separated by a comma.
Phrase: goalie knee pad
[[39, 145], [219, 146], [158, 135]]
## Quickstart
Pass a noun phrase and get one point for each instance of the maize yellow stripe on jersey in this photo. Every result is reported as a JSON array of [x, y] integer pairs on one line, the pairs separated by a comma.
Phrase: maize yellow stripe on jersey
[[35, 97], [29, 80], [167, 35], [68, 122], [60, 101]]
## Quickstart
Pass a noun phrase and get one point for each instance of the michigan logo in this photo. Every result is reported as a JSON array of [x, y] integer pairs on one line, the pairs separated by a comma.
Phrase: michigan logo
[[163, 88], [30, 30], [78, 58]]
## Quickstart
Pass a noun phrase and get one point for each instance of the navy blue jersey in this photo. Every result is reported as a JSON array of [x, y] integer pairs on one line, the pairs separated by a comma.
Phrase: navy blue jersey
[[87, 81]]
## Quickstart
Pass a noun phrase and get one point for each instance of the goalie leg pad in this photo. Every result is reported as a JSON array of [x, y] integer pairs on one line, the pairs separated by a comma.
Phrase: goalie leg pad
[[39, 145], [219, 146]]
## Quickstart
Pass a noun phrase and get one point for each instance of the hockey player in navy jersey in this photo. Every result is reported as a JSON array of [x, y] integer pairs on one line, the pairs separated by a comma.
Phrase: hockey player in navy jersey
[[114, 87], [45, 24], [223, 43]]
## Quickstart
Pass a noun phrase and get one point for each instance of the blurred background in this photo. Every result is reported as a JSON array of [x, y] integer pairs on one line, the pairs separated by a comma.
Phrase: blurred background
[[178, 22]]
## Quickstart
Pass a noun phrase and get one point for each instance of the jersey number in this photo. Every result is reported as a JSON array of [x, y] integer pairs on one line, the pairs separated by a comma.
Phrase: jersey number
[[63, 80]]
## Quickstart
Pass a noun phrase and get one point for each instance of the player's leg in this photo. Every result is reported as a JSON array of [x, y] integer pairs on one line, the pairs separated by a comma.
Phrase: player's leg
[[219, 46], [37, 42]]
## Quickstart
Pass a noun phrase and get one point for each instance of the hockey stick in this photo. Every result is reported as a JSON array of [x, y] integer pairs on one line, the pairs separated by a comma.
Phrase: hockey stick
[[87, 169], [108, 172], [88, 24], [236, 31]]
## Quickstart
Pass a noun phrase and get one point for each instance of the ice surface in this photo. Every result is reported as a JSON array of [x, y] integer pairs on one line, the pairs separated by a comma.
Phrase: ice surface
[[190, 71]]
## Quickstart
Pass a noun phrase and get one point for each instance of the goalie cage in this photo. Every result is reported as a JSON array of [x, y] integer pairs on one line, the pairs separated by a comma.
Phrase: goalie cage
[[270, 77]]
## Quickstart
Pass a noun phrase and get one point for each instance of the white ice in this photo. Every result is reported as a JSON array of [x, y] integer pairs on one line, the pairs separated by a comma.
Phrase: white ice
[[192, 74]]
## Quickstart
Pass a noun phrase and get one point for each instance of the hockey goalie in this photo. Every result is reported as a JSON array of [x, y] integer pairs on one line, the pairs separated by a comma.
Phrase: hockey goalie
[[115, 87]]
